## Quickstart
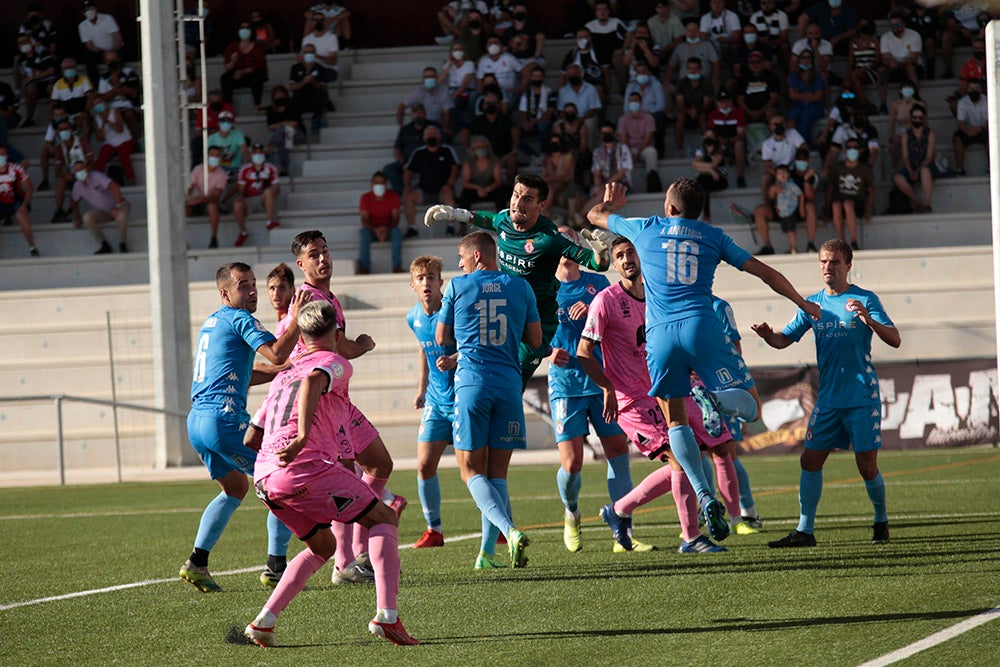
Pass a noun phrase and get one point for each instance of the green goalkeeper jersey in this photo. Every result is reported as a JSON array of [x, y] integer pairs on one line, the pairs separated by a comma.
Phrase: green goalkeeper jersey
[[534, 255]]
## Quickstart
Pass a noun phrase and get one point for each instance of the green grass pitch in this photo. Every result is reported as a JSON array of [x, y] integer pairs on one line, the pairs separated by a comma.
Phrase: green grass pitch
[[841, 603]]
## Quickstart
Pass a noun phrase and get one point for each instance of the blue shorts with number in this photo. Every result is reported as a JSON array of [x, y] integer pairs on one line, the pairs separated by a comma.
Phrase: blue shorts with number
[[220, 445], [570, 415], [696, 344], [488, 417], [845, 428], [435, 424]]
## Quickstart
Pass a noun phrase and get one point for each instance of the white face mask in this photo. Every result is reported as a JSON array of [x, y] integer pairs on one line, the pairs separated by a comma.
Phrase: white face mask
[[379, 189], [308, 58], [214, 161], [582, 44], [458, 55], [81, 175], [258, 158], [26, 49], [3, 161], [225, 127], [493, 49], [90, 13]]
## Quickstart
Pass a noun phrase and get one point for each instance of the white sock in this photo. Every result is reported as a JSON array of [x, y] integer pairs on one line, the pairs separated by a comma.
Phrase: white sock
[[386, 616], [265, 619], [751, 513]]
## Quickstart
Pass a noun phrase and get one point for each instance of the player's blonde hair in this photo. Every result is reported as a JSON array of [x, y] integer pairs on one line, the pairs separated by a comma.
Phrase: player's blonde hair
[[317, 318], [426, 263]]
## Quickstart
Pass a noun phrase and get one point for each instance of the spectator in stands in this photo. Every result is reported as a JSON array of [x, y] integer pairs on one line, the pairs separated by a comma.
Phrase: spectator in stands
[[917, 161], [263, 32], [721, 27], [489, 84], [504, 67], [740, 53], [899, 118], [666, 28], [575, 138], [284, 124], [973, 123], [807, 89], [637, 131], [837, 21], [772, 26], [34, 74], [120, 89], [536, 110], [409, 138], [961, 27], [863, 61], [974, 69], [653, 101], [503, 136], [336, 18], [435, 99], [607, 34], [730, 129], [205, 188], [106, 202], [454, 15], [74, 91], [692, 47], [558, 170], [192, 79], [694, 102], [858, 128], [611, 162], [585, 59], [583, 96], [379, 209], [925, 22], [15, 196], [245, 66], [434, 168], [525, 40], [784, 202], [214, 107], [43, 32], [758, 93], [232, 143], [98, 33], [709, 162], [473, 35], [808, 181], [192, 31], [640, 50], [459, 74], [900, 53], [70, 148], [258, 186], [327, 46], [307, 81], [840, 113], [851, 191], [822, 50], [118, 140], [780, 148], [482, 177], [9, 118], [48, 152]]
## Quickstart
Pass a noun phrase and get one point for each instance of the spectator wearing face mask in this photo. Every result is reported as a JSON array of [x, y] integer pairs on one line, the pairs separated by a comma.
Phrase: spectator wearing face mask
[[73, 90], [858, 128], [807, 90], [505, 67], [106, 205], [750, 43], [473, 33], [326, 44], [306, 80], [482, 177], [285, 128], [899, 117], [693, 46], [205, 187], [583, 96], [70, 147], [973, 121], [837, 21], [917, 156], [525, 40], [611, 162], [429, 177], [852, 192], [409, 138], [652, 99], [119, 88], [232, 144], [434, 98], [820, 48], [730, 128], [608, 38], [974, 69], [379, 210], [637, 130], [458, 74], [536, 110], [336, 18], [98, 33], [558, 170], [245, 66], [780, 148], [35, 70], [583, 56], [962, 26], [117, 139], [498, 129], [694, 97], [574, 136], [258, 186], [454, 15], [901, 56]]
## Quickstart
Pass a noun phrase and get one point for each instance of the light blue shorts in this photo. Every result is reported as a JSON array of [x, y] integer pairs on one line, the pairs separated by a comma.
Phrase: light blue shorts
[[845, 428], [488, 417], [570, 415], [220, 445], [435, 424], [696, 344]]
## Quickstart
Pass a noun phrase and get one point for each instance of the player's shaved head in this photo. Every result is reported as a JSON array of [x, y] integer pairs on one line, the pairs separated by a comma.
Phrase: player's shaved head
[[479, 241], [224, 276], [686, 199], [317, 319]]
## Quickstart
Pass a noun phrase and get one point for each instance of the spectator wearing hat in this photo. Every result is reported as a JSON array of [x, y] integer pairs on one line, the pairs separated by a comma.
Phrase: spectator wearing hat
[[98, 32], [232, 142], [758, 93], [258, 186], [208, 118], [730, 127]]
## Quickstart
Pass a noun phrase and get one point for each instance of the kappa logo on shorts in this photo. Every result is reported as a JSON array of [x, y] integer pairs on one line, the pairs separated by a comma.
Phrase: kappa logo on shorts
[[341, 502]]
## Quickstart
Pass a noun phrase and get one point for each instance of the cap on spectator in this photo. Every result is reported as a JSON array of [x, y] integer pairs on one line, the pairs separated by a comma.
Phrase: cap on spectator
[[88, 3], [257, 146], [723, 95], [416, 106], [756, 55], [226, 114]]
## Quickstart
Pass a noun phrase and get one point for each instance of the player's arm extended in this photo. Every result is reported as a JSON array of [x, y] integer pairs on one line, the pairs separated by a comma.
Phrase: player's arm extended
[[614, 200], [775, 339], [779, 283], [585, 355]]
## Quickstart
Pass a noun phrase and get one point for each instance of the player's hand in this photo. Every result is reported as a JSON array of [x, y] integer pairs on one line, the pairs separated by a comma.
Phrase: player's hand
[[418, 401], [366, 342], [859, 310], [599, 242], [578, 310], [290, 451], [763, 330], [813, 310], [559, 357], [610, 406], [615, 194], [447, 362], [302, 297], [445, 213]]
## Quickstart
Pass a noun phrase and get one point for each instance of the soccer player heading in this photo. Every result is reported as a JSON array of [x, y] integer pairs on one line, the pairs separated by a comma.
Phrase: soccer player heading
[[530, 246]]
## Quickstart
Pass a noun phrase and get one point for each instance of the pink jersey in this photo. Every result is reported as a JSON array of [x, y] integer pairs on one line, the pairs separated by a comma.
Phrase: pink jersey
[[281, 412], [617, 320], [315, 294]]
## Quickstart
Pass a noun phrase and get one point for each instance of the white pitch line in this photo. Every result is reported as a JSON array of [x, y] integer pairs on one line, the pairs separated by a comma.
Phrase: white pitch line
[[935, 639]]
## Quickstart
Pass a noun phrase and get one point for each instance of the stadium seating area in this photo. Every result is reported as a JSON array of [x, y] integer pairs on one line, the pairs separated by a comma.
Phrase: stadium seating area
[[924, 266]]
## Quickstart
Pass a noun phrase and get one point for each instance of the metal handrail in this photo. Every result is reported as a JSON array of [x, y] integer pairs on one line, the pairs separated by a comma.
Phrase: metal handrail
[[115, 404]]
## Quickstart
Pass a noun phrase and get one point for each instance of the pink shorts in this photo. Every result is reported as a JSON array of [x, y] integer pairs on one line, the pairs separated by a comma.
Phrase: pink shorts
[[313, 494], [645, 425], [363, 433]]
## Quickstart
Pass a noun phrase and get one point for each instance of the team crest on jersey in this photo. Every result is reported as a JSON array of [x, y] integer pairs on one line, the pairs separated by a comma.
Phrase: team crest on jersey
[[338, 370], [591, 290], [259, 326], [560, 427], [529, 246]]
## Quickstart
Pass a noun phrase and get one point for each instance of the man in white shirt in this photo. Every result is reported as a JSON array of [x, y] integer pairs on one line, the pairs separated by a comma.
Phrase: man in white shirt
[[772, 25], [98, 33], [326, 45], [721, 26], [901, 55], [973, 120], [779, 148]]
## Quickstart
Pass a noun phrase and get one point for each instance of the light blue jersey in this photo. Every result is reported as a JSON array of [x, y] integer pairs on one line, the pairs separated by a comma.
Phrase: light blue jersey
[[847, 377], [223, 362], [571, 380], [488, 311], [440, 384], [679, 258]]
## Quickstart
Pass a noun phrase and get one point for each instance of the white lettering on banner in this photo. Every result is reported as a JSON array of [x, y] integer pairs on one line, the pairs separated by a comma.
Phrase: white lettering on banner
[[955, 414]]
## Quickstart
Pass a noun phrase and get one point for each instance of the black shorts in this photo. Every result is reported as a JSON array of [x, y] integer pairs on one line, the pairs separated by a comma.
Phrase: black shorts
[[967, 139], [787, 223], [7, 210], [859, 203]]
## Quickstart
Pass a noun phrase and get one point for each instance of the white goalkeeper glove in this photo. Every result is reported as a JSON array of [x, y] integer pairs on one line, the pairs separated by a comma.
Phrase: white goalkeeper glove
[[444, 213], [600, 242]]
